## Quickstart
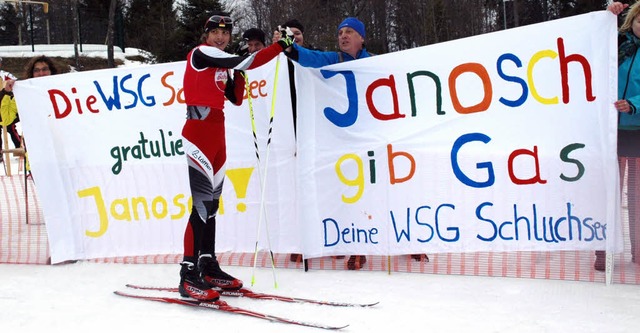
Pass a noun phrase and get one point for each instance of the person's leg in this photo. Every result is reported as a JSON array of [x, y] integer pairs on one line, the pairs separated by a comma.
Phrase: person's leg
[[197, 143], [356, 262], [15, 136], [1, 146], [191, 283]]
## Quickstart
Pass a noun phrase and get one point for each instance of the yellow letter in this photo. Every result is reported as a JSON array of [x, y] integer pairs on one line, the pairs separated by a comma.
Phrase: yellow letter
[[536, 57], [357, 181], [102, 211], [126, 210], [135, 203], [183, 208], [163, 204]]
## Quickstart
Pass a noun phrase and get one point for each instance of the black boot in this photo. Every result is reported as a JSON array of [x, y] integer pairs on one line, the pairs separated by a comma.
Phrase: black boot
[[601, 261], [213, 275], [192, 285]]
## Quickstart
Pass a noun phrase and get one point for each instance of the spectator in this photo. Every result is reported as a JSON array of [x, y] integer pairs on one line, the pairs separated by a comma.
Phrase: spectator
[[628, 120], [256, 39], [40, 66], [9, 121], [351, 41], [351, 38], [36, 67], [207, 81], [298, 33], [351, 34]]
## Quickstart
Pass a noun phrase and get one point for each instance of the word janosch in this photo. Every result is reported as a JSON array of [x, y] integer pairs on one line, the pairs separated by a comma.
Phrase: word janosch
[[146, 149], [128, 209], [349, 117]]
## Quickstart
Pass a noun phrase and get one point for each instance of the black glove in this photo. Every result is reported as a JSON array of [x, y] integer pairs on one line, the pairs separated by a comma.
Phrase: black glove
[[243, 48], [286, 38]]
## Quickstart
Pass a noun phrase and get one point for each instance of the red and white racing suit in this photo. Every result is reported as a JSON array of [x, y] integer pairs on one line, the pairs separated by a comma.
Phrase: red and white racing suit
[[207, 81]]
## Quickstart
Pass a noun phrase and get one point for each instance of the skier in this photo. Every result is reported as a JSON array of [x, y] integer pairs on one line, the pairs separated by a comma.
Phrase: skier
[[208, 79]]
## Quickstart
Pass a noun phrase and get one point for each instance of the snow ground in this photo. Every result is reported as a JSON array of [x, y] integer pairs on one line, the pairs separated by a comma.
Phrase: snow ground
[[79, 297]]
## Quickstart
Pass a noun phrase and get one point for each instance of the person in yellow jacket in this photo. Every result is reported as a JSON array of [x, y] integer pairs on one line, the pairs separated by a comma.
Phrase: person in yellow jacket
[[9, 116], [36, 67], [7, 78], [8, 109]]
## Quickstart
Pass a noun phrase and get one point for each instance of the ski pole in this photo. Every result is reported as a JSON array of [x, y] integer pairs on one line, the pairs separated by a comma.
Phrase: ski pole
[[263, 179]]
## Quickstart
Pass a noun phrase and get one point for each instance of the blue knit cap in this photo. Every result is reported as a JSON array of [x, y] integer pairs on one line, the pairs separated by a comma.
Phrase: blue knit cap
[[354, 24]]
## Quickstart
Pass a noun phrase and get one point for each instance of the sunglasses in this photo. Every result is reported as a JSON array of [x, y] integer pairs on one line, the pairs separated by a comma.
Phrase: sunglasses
[[221, 20]]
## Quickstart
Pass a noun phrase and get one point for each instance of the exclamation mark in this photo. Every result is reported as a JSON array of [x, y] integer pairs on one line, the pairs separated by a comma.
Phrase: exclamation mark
[[240, 180]]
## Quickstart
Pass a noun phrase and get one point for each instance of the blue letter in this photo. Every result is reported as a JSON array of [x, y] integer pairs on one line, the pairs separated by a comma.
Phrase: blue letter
[[110, 102], [454, 160], [348, 118], [493, 225], [324, 222], [525, 90], [457, 231], [151, 99], [130, 92]]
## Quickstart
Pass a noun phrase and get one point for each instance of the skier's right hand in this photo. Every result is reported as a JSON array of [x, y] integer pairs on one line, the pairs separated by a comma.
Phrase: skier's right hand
[[286, 37]]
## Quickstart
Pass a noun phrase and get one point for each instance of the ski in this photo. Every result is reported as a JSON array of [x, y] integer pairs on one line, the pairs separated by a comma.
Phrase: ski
[[224, 307], [244, 292]]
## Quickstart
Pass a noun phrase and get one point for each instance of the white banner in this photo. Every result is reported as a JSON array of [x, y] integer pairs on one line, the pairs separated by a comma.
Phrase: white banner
[[106, 152], [498, 142]]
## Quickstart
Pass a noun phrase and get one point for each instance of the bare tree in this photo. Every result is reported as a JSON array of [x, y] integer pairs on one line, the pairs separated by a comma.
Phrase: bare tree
[[112, 14], [76, 31]]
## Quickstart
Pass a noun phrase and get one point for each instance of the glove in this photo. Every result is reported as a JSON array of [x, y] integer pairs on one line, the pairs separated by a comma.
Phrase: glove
[[285, 32], [286, 38], [242, 49]]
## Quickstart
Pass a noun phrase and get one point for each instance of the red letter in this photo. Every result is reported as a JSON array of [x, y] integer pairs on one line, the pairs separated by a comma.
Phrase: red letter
[[56, 110], [532, 180], [90, 101], [564, 60], [391, 83]]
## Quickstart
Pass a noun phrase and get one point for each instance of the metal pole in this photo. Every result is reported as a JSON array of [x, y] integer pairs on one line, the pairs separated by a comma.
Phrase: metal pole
[[79, 27], [31, 28]]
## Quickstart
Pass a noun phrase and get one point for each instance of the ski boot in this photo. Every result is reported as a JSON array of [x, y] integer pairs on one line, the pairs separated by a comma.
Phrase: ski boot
[[213, 275], [192, 285]]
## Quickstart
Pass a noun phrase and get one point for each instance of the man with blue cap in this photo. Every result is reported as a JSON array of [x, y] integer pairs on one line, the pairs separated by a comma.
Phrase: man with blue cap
[[351, 36]]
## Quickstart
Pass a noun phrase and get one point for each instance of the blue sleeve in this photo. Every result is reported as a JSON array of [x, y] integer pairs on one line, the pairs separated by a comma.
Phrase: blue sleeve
[[634, 102], [315, 59]]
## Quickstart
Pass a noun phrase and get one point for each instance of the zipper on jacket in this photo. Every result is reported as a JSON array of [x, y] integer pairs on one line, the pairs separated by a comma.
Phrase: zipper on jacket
[[626, 85]]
